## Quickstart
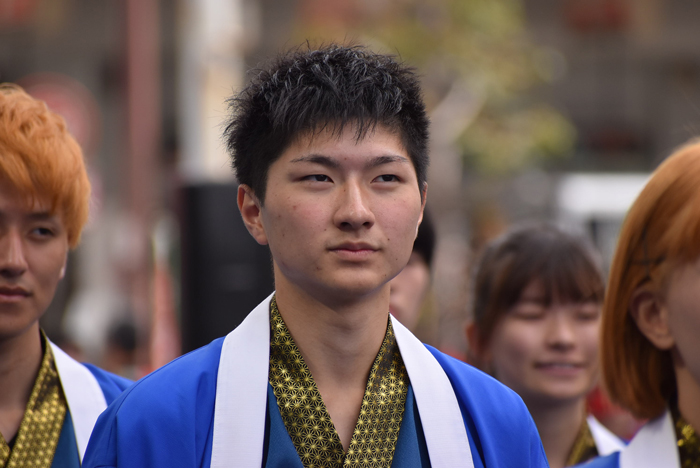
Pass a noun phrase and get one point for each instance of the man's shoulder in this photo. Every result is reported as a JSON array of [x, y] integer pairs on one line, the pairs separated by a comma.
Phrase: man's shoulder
[[164, 419], [72, 373], [112, 385], [189, 379]]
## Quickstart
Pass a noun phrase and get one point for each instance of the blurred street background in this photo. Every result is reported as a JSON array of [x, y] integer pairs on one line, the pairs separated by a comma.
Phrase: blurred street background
[[549, 110]]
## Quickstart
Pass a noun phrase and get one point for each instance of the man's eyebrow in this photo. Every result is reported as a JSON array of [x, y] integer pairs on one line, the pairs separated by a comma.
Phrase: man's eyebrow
[[332, 163], [388, 159], [36, 215], [42, 216], [317, 159]]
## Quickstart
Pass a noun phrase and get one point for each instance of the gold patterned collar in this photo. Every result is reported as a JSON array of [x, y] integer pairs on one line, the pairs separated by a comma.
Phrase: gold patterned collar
[[687, 438], [584, 447], [37, 437], [307, 419]]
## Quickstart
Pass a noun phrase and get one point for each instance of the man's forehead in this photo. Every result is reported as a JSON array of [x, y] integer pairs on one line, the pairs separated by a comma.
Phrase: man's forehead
[[380, 145], [353, 129], [28, 200]]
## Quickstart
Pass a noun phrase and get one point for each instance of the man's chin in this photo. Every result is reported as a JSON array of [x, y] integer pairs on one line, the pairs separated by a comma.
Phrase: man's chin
[[349, 292]]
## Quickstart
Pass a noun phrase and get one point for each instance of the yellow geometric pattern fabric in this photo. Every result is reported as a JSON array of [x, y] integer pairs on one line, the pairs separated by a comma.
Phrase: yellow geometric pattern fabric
[[584, 447], [37, 438], [688, 443], [305, 415]]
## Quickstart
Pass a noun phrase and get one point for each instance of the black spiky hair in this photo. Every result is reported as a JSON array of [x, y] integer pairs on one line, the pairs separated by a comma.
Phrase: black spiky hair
[[308, 91]]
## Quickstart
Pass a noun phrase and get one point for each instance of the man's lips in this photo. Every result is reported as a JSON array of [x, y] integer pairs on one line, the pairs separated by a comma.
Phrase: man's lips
[[13, 293], [354, 246], [354, 250]]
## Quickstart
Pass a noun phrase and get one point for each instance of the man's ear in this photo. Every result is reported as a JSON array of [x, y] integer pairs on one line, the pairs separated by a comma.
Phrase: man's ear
[[251, 212], [651, 316], [424, 198], [62, 274]]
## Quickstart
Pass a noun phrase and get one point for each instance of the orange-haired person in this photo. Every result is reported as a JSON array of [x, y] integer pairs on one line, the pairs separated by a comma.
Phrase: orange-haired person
[[651, 318], [536, 303], [48, 402]]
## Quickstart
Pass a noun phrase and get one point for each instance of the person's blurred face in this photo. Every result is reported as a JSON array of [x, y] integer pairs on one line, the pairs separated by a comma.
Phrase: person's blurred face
[[33, 252], [546, 354], [408, 290], [682, 300]]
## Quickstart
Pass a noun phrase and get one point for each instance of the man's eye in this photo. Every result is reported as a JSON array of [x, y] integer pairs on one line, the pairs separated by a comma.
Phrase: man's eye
[[387, 178], [43, 232], [318, 178]]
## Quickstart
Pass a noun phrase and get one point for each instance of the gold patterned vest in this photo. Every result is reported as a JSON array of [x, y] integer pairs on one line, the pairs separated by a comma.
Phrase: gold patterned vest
[[305, 415], [584, 447], [687, 440], [37, 437]]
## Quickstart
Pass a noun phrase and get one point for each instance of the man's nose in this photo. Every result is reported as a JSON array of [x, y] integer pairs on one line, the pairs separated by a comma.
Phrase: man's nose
[[12, 256], [353, 209]]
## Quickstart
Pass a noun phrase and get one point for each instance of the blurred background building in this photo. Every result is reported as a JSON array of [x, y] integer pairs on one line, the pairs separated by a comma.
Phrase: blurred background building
[[541, 109]]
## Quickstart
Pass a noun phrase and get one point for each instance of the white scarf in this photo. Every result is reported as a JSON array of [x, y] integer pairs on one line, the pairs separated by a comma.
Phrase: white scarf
[[83, 395], [243, 377], [605, 441], [654, 446]]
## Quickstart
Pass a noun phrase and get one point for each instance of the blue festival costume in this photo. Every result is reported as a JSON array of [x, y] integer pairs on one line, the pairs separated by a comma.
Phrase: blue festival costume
[[656, 444], [175, 417], [67, 453], [88, 391]]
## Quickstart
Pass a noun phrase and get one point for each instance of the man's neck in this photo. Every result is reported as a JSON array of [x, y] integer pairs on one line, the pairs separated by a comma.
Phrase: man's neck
[[333, 335], [339, 341], [558, 426], [20, 359]]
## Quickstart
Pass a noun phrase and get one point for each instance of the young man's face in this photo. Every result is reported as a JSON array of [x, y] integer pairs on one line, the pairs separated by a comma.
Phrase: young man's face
[[340, 215], [33, 250]]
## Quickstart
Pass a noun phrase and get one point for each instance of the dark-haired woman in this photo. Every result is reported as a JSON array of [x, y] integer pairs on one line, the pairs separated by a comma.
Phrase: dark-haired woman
[[536, 315]]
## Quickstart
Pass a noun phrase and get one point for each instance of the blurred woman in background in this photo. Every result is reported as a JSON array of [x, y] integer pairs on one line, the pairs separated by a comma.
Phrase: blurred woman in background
[[536, 314], [651, 320]]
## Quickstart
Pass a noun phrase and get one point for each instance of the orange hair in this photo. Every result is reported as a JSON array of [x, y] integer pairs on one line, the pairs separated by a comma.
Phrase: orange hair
[[41, 159], [661, 231]]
